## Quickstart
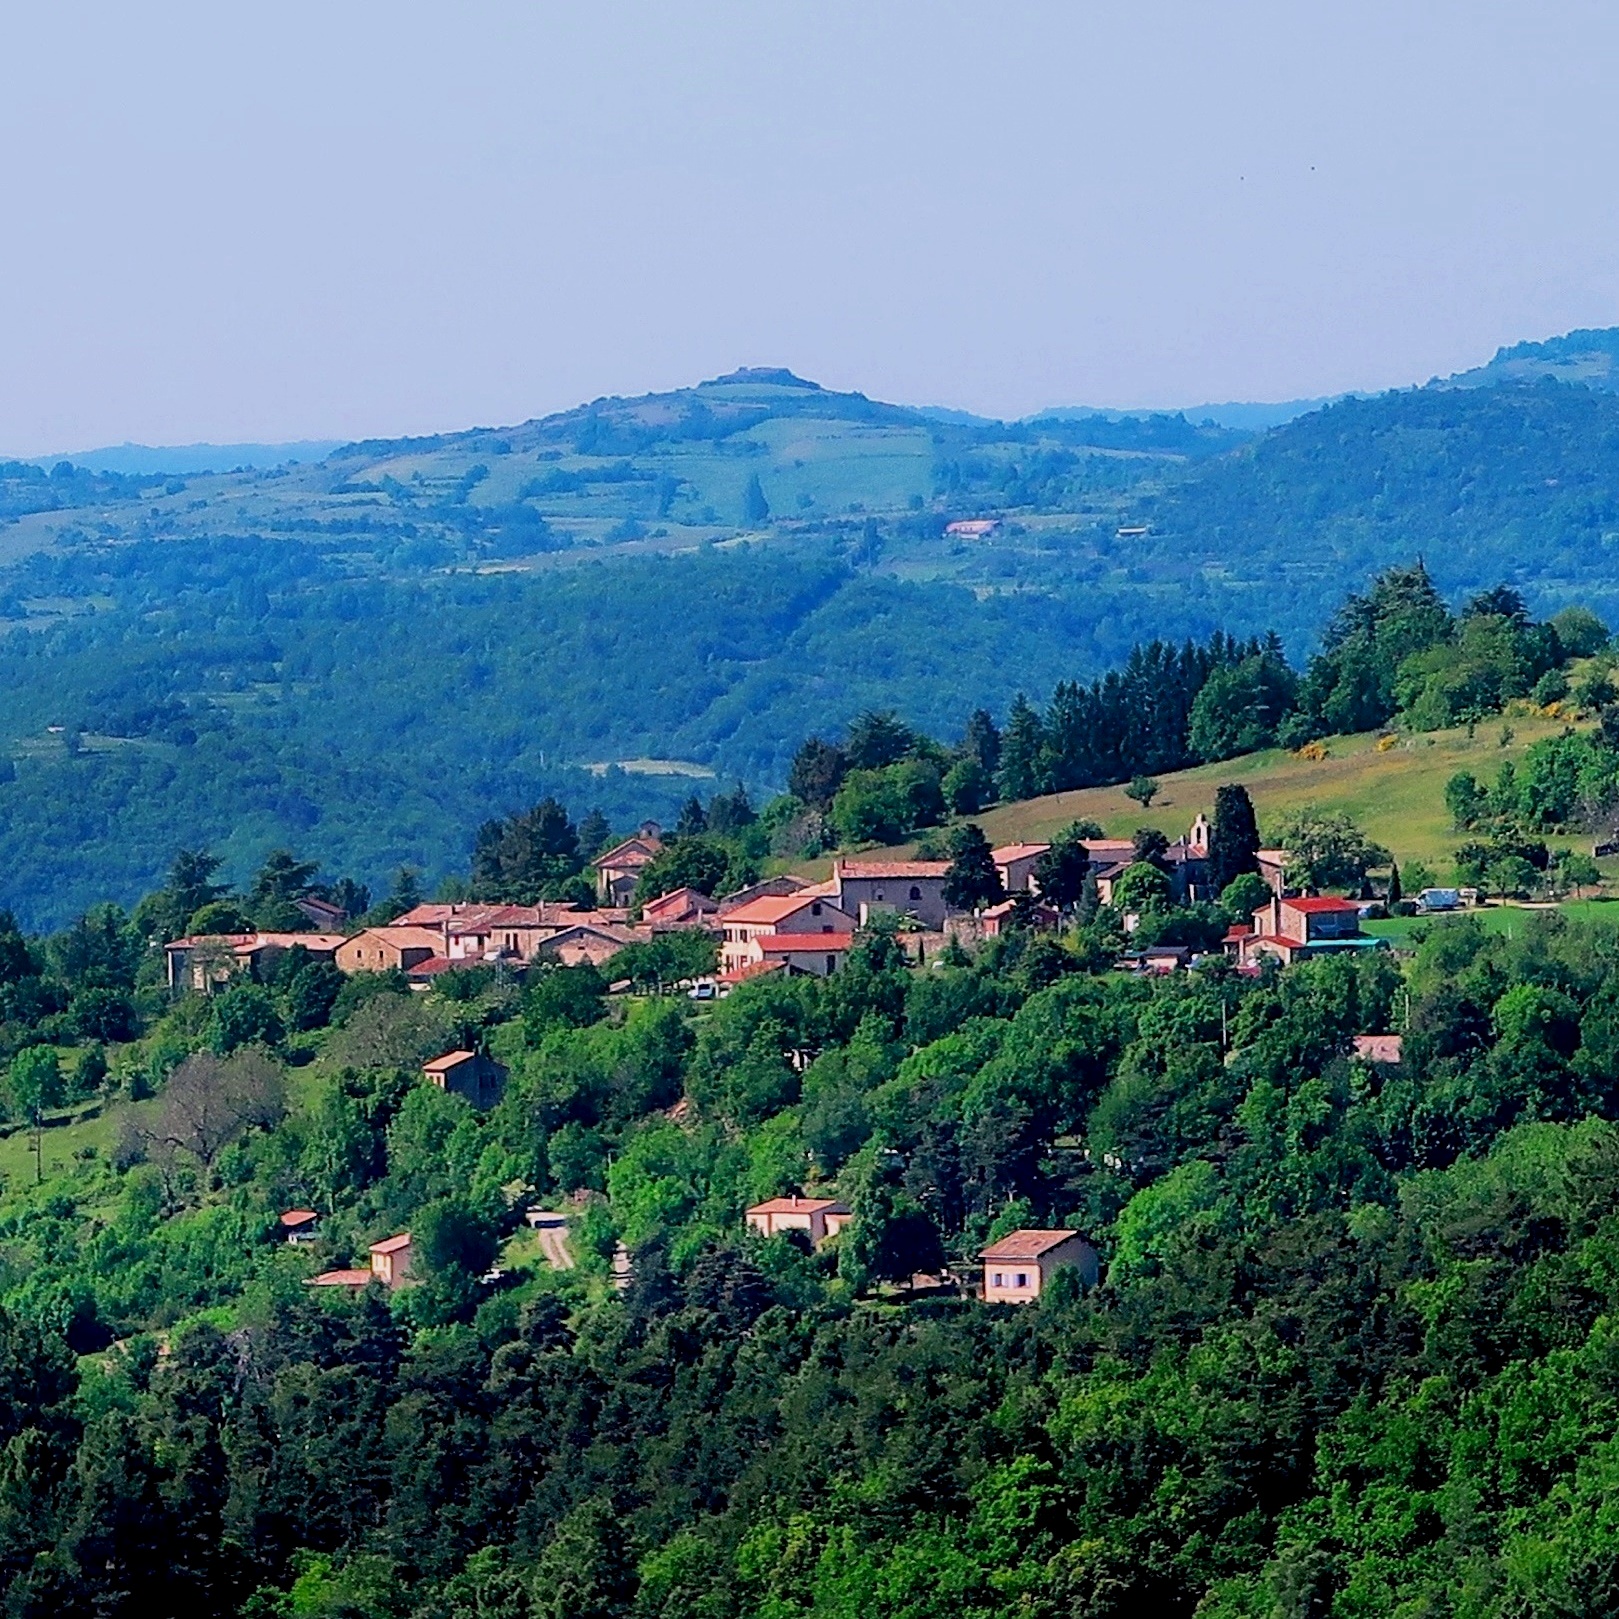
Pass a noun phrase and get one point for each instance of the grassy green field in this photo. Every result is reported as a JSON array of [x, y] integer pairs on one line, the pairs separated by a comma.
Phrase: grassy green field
[[1397, 796], [66, 1136], [1508, 920]]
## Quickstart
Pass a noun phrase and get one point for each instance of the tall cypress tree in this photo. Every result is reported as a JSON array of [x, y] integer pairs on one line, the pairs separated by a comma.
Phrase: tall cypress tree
[[1233, 836]]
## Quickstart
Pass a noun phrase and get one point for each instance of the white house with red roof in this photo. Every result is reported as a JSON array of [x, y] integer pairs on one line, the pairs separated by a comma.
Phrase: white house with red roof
[[802, 916], [1019, 1267], [818, 954]]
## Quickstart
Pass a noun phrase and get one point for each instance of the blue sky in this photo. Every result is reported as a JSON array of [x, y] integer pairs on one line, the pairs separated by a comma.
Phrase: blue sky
[[294, 221]]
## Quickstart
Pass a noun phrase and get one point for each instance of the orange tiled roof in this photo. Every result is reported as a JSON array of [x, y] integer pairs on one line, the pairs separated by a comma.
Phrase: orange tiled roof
[[799, 1205], [1026, 1244], [774, 908]]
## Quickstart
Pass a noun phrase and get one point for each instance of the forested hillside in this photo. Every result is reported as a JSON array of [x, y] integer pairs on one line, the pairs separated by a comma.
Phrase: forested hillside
[[371, 654], [1352, 1352]]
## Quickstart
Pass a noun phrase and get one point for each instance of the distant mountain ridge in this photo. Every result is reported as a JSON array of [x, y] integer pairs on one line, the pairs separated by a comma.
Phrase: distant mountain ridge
[[364, 656], [183, 460]]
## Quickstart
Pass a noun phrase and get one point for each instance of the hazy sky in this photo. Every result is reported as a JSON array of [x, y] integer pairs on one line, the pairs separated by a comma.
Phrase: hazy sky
[[328, 220]]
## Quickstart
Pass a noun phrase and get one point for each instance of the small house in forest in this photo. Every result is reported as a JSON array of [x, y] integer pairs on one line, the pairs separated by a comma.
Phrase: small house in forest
[[820, 1217], [478, 1078], [1018, 1268]]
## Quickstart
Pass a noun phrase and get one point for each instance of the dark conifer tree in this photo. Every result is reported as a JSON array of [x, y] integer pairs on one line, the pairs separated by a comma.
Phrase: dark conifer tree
[[972, 879], [1023, 749], [1233, 836]]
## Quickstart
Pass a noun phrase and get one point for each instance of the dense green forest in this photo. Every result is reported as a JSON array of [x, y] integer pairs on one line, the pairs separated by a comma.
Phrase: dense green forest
[[376, 652], [1351, 1353]]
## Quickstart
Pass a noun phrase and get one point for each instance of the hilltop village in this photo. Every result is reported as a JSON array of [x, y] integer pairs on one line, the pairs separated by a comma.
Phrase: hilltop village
[[785, 923]]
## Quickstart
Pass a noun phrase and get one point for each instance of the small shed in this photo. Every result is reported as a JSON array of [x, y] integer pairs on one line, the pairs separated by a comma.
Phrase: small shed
[[300, 1225]]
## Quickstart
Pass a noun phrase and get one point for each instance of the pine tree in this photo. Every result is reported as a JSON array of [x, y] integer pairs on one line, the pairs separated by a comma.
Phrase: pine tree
[[1022, 752], [1394, 893]]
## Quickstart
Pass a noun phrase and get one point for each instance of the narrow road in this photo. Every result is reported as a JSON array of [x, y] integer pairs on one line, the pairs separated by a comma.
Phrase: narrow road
[[552, 1230]]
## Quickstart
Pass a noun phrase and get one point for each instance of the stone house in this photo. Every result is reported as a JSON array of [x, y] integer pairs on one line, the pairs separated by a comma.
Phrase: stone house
[[380, 950], [204, 963], [619, 869], [471, 1074], [913, 888]]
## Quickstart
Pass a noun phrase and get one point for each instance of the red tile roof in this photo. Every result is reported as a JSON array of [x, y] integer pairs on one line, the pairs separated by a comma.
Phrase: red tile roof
[[1379, 1047], [1027, 1244], [782, 944], [681, 900], [1017, 851], [450, 1059], [341, 1278], [751, 969], [870, 869], [434, 965], [297, 1217], [1315, 907], [391, 1245], [799, 1205], [242, 943]]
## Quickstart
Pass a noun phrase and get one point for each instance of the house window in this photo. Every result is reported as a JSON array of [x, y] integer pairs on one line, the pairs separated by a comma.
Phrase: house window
[[1021, 1279], [1000, 1281], [916, 893], [815, 909], [831, 963], [879, 896]]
